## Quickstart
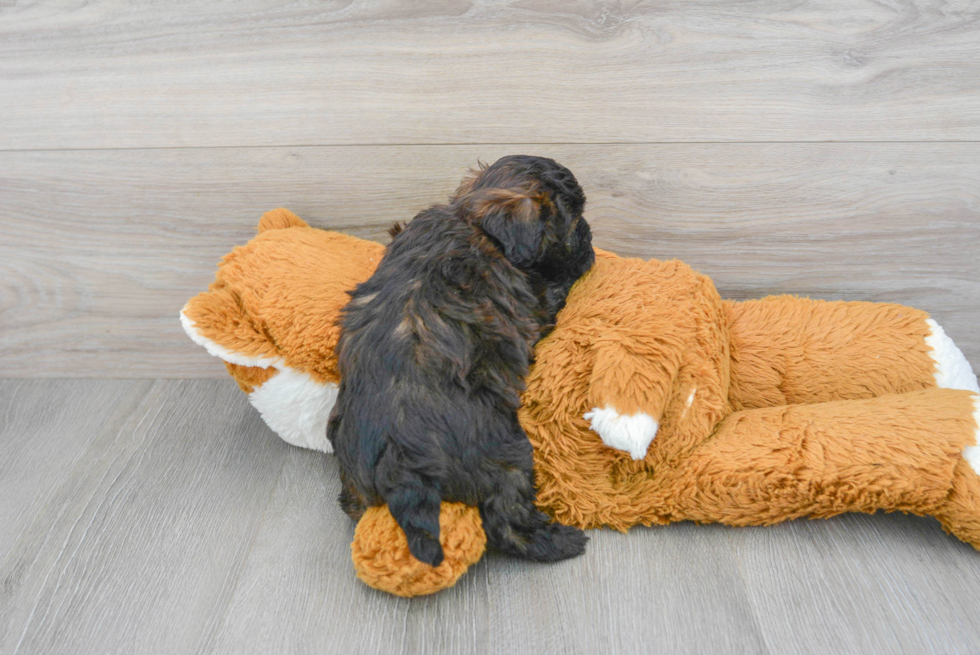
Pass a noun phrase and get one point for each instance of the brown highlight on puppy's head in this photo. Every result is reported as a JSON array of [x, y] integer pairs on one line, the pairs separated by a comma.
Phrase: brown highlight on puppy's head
[[531, 209], [512, 218]]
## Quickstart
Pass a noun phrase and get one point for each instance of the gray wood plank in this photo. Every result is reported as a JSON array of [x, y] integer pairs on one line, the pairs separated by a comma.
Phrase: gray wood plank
[[299, 594], [194, 73], [45, 428], [655, 589], [102, 248], [182, 525], [885, 583], [141, 546], [46, 431]]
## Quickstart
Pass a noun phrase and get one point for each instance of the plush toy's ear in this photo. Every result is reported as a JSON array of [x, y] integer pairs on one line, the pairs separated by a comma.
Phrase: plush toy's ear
[[512, 219], [279, 219], [382, 560]]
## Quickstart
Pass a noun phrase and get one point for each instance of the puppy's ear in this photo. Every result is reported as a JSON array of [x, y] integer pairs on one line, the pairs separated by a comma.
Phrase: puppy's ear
[[396, 229], [512, 219], [470, 180]]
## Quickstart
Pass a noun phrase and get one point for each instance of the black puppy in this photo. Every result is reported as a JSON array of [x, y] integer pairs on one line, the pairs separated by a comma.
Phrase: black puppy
[[433, 352]]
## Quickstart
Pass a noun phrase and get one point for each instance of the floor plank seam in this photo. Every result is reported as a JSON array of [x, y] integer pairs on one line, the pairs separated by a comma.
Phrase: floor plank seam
[[68, 535], [208, 648], [30, 616], [756, 623], [486, 144]]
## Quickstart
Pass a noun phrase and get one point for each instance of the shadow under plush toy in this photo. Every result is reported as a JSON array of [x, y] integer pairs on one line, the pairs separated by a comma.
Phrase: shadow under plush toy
[[652, 401]]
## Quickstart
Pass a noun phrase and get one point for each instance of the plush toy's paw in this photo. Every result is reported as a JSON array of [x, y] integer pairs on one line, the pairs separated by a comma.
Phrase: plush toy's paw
[[382, 559], [630, 433]]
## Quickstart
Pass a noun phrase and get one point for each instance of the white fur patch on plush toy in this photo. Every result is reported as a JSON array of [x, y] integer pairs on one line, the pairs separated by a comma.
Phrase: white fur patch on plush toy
[[631, 433], [972, 453], [296, 407], [953, 371]]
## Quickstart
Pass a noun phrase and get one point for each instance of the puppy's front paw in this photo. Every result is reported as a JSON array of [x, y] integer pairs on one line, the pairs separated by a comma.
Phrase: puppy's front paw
[[554, 542], [426, 549], [632, 433]]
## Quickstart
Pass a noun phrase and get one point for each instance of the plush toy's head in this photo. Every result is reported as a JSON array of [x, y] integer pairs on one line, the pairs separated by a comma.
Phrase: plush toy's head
[[271, 314]]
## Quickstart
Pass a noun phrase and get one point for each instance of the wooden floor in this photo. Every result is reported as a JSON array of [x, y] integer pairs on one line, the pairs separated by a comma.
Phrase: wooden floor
[[828, 148], [172, 520]]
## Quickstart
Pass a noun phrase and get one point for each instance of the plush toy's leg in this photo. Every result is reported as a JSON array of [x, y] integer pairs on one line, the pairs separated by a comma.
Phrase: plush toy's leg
[[296, 407], [953, 371], [910, 452], [960, 513], [787, 350]]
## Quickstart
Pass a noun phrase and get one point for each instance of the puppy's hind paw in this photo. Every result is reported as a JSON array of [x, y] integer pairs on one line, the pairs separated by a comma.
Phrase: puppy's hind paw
[[426, 549], [554, 542]]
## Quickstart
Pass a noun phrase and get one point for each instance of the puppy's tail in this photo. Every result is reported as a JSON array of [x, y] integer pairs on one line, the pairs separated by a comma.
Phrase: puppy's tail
[[414, 501]]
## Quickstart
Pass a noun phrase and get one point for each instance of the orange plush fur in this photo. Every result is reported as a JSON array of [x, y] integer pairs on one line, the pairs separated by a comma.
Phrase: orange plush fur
[[762, 411]]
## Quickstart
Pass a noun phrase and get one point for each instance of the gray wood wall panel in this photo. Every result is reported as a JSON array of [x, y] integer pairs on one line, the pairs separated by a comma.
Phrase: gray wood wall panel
[[101, 249], [176, 522], [110, 75]]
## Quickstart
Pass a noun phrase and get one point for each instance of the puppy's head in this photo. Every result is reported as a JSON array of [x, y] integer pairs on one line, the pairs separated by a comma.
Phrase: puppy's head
[[531, 209]]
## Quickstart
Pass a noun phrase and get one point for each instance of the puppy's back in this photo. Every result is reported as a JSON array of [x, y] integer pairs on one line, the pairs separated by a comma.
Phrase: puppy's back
[[441, 331]]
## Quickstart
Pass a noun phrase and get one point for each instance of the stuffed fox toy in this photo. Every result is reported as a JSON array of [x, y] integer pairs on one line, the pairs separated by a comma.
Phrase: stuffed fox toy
[[652, 401]]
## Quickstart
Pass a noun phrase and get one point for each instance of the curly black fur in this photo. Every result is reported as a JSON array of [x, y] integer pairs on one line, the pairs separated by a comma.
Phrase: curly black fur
[[434, 349]]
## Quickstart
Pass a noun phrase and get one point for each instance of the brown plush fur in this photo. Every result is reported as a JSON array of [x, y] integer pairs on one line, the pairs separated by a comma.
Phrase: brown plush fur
[[799, 407], [382, 560], [787, 350], [609, 347]]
